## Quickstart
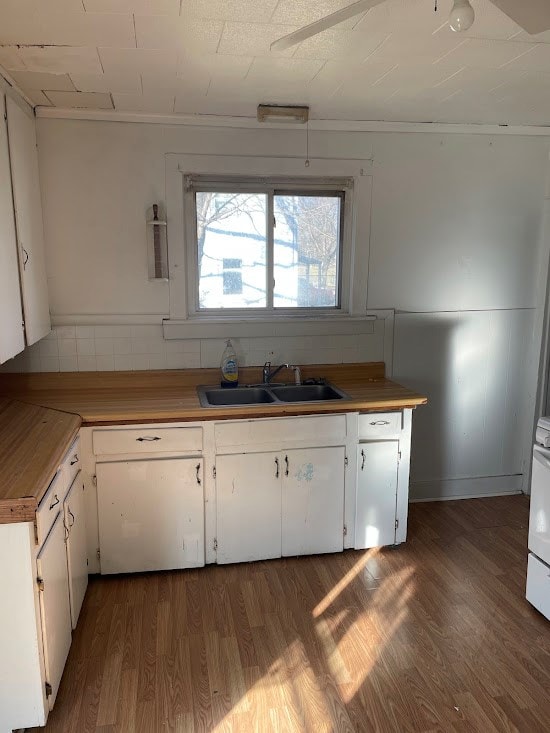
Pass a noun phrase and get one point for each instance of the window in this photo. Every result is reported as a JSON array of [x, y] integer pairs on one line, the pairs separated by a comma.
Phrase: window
[[265, 248]]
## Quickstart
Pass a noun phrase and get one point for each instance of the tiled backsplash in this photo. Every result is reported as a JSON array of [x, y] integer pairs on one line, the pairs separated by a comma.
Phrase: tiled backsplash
[[120, 348]]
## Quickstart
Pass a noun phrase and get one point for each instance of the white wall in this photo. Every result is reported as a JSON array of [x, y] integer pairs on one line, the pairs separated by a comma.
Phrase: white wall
[[456, 247]]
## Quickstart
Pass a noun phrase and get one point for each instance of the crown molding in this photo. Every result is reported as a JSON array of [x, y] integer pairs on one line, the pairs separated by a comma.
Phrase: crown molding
[[319, 125]]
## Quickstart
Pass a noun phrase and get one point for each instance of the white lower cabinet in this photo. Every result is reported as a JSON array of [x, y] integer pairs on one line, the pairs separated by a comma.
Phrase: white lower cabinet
[[248, 507], [55, 609], [279, 503], [77, 555], [377, 470], [313, 501], [151, 514]]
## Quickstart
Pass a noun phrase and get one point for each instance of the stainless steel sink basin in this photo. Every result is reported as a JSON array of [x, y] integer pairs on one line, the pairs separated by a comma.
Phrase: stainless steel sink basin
[[217, 397], [268, 394], [307, 393]]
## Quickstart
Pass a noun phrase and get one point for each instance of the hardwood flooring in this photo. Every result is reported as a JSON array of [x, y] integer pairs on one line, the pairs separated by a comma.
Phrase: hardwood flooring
[[433, 636]]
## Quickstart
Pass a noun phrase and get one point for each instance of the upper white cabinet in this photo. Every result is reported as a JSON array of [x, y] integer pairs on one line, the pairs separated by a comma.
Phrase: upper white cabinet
[[151, 514], [12, 338], [28, 220]]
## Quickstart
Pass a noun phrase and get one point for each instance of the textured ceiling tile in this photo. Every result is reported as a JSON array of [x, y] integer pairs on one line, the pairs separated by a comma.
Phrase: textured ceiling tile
[[304, 12], [228, 68], [87, 100], [334, 43], [171, 84], [239, 11], [72, 29], [298, 70], [416, 48], [61, 59], [483, 54], [143, 7], [128, 83], [10, 58], [536, 60], [160, 31], [38, 98], [253, 39], [155, 103], [138, 60], [31, 80]]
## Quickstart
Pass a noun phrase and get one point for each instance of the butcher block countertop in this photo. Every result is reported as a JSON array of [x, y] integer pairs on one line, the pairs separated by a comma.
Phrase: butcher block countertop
[[33, 442], [40, 414], [123, 397]]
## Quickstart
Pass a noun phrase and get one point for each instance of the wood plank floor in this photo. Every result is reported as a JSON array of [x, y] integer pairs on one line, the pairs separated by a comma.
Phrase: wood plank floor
[[432, 636]]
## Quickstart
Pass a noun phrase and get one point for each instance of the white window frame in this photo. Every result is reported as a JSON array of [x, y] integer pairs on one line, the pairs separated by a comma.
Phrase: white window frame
[[184, 319], [270, 187]]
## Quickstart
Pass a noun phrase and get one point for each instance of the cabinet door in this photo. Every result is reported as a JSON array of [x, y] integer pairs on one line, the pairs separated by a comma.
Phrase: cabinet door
[[12, 339], [77, 556], [54, 605], [28, 219], [248, 507], [151, 514], [377, 464], [313, 501]]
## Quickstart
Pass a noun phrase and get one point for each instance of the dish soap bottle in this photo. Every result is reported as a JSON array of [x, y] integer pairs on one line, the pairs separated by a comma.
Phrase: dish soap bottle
[[229, 366]]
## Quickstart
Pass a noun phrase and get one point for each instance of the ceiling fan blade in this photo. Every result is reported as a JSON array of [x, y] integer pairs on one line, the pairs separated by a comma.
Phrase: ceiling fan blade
[[328, 21], [532, 15]]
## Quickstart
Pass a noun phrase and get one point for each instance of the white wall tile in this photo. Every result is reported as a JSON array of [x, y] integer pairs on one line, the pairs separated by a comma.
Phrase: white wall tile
[[48, 347], [105, 362], [68, 364], [64, 332], [104, 346], [49, 363], [67, 347], [85, 347], [123, 362], [123, 346], [85, 332], [87, 363]]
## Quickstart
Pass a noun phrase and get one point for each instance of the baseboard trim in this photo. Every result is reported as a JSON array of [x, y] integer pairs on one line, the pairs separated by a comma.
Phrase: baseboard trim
[[468, 496], [466, 488]]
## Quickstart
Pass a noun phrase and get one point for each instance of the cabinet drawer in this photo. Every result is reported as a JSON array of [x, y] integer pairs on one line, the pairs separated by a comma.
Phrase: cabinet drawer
[[71, 462], [147, 440], [276, 431], [380, 425], [51, 504]]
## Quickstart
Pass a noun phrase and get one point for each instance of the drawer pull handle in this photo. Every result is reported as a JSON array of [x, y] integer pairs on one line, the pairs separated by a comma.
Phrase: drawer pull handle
[[148, 439], [72, 517], [287, 469], [54, 503], [198, 473], [380, 422], [26, 259], [67, 531], [276, 468], [75, 459], [363, 461]]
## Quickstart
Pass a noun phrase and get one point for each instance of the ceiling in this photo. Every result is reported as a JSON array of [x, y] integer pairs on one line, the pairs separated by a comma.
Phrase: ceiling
[[398, 62]]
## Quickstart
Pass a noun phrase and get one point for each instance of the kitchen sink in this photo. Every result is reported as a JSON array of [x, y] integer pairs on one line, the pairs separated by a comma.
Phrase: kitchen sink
[[217, 397], [307, 393], [268, 394]]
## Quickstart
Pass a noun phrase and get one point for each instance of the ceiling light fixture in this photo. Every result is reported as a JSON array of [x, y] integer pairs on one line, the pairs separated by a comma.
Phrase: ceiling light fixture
[[283, 113], [462, 16]]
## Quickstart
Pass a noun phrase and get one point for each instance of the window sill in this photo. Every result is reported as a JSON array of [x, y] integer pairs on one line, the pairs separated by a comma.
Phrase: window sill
[[205, 327]]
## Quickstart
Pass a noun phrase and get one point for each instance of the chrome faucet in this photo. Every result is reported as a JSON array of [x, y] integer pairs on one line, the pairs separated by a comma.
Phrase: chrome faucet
[[268, 373]]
